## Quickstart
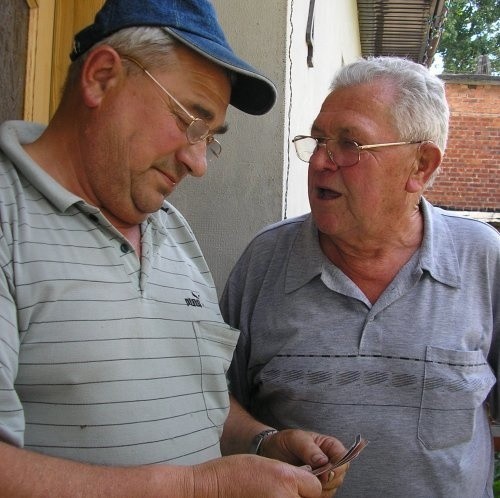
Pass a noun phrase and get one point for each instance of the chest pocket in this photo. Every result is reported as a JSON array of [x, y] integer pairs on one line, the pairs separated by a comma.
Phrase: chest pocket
[[456, 384], [216, 343]]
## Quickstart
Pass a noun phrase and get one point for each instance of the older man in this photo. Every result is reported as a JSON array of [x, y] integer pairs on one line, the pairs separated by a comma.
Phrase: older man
[[376, 313], [113, 351]]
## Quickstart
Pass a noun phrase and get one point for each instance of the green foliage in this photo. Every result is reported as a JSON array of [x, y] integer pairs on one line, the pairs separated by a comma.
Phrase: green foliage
[[496, 481], [471, 29]]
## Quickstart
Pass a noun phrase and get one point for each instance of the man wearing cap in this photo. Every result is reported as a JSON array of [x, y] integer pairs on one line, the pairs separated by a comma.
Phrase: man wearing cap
[[113, 352]]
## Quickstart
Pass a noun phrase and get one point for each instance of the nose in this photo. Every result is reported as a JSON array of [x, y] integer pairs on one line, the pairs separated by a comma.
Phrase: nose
[[321, 160], [194, 157]]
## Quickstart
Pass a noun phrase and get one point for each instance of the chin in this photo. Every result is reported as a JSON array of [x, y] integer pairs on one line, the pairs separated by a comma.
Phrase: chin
[[326, 223], [151, 203]]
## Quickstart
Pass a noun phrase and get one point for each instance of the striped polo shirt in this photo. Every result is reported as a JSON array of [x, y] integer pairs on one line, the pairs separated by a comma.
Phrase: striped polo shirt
[[103, 358]]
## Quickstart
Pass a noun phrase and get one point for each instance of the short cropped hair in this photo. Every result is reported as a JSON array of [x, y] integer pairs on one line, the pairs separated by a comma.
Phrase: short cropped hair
[[150, 45], [420, 109]]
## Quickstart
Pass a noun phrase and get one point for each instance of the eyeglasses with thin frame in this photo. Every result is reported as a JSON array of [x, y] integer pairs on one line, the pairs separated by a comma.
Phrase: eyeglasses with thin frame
[[343, 153], [197, 129]]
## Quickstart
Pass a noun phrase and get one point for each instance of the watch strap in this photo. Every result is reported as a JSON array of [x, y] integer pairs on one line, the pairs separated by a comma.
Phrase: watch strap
[[258, 439]]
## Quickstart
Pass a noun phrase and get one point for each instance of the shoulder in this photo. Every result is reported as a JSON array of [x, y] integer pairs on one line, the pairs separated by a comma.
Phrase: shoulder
[[471, 244], [270, 247], [469, 231], [282, 231], [275, 239]]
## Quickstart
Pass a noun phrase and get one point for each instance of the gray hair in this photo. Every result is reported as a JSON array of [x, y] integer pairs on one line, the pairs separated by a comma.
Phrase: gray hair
[[420, 109], [150, 45]]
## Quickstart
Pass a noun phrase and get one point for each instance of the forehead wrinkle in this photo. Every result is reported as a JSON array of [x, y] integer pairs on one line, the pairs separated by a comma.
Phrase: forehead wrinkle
[[345, 130], [202, 112]]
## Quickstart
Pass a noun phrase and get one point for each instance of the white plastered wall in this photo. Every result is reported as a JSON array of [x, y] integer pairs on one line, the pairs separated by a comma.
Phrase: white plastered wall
[[258, 179]]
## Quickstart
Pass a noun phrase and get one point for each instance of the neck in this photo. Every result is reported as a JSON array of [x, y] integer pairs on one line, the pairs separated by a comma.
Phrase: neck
[[133, 235], [373, 261], [57, 154], [56, 151]]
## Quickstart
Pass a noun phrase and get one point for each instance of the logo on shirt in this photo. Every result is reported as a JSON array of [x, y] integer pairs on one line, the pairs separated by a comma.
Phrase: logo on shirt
[[194, 301]]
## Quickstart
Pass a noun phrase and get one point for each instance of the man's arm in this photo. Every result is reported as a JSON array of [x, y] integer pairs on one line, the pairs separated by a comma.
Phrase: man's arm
[[24, 473], [239, 430], [293, 446], [27, 474]]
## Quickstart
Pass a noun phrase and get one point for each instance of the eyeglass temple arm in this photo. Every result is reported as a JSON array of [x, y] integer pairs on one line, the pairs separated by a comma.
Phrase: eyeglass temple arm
[[373, 146], [131, 59]]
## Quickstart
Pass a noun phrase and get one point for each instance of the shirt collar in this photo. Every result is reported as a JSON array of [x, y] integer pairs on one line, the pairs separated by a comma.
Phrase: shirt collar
[[438, 255], [306, 257], [13, 134], [437, 252]]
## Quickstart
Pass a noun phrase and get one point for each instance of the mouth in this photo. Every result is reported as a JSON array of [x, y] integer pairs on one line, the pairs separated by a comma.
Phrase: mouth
[[168, 178], [327, 194]]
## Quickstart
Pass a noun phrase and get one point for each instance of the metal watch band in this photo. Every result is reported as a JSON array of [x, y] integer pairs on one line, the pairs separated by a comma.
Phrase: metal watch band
[[257, 440]]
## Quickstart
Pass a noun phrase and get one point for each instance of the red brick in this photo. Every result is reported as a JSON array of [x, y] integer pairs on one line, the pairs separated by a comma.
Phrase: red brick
[[470, 172]]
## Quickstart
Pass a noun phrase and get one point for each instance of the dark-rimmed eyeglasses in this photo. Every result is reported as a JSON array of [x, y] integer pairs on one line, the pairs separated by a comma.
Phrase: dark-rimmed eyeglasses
[[197, 129], [343, 153]]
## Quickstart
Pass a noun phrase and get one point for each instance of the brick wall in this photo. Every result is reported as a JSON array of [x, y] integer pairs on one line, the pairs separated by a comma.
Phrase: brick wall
[[470, 172]]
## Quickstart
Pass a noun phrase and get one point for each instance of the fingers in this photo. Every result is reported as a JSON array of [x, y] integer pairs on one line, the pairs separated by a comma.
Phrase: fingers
[[296, 447], [331, 446], [307, 487], [234, 477], [303, 448], [328, 481], [308, 449], [329, 484], [332, 480]]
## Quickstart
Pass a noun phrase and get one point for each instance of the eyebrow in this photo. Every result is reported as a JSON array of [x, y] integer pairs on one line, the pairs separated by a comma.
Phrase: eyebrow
[[205, 114], [315, 129], [220, 130], [340, 132]]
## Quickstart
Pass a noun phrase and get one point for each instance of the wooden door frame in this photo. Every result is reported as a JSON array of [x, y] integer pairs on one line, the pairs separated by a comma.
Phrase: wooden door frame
[[51, 27], [38, 60]]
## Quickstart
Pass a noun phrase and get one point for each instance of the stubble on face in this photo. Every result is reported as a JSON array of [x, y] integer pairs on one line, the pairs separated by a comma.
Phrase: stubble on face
[[141, 153]]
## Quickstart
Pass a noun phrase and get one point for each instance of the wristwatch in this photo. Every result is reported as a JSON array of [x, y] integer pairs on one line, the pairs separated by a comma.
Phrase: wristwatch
[[257, 440]]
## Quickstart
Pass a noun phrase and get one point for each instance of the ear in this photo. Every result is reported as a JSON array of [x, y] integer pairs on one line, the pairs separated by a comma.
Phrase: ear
[[102, 71], [427, 162]]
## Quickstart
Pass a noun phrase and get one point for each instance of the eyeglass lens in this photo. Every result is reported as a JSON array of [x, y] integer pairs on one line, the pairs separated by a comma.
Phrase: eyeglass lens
[[214, 150], [198, 131], [342, 152]]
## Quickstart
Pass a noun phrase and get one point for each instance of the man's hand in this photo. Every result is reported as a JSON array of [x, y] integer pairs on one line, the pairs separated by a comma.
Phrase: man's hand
[[294, 446], [250, 476], [308, 448]]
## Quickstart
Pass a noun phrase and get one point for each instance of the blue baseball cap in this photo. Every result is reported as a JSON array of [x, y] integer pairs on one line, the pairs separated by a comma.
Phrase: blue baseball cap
[[193, 23]]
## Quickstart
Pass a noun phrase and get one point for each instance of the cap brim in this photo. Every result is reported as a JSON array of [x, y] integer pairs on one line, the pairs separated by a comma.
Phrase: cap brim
[[251, 92]]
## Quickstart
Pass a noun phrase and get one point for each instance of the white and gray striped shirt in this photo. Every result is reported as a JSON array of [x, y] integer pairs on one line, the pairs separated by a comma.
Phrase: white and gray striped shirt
[[103, 358]]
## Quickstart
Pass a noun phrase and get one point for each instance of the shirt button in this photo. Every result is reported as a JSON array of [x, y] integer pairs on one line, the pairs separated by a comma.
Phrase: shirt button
[[125, 248]]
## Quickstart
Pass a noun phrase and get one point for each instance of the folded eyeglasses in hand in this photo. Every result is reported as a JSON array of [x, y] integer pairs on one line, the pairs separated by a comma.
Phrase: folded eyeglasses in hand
[[350, 454]]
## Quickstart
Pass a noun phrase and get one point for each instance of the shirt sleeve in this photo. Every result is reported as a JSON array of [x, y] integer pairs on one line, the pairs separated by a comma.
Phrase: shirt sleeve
[[11, 411], [233, 313], [491, 279]]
